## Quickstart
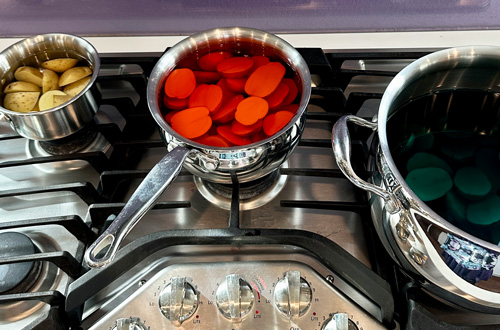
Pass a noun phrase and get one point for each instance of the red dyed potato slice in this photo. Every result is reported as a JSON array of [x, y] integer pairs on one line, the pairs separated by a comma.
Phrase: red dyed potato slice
[[250, 110], [276, 121], [206, 77], [235, 67], [215, 141], [180, 83], [227, 133], [293, 91], [259, 136], [209, 96], [227, 109], [210, 61], [175, 103], [244, 130], [236, 85], [275, 99], [259, 61], [192, 123], [264, 80]]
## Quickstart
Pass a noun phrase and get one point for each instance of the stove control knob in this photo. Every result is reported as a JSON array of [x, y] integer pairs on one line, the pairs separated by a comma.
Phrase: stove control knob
[[292, 295], [178, 300], [131, 323], [339, 321], [234, 298]]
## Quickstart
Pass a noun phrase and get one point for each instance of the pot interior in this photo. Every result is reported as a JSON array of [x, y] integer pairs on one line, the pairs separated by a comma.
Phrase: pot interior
[[443, 136]]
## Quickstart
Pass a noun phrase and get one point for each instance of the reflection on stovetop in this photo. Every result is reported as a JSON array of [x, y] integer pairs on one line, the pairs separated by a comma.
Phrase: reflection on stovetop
[[316, 222]]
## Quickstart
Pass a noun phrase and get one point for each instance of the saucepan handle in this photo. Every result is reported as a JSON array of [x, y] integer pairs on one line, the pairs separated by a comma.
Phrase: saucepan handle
[[141, 201], [5, 118], [341, 143]]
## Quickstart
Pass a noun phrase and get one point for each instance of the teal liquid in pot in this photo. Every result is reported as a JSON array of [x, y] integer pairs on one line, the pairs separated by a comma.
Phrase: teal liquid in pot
[[456, 172]]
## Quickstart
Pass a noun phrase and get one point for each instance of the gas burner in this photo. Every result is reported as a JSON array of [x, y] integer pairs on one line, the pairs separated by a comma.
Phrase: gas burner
[[17, 277], [70, 144], [90, 141], [253, 194]]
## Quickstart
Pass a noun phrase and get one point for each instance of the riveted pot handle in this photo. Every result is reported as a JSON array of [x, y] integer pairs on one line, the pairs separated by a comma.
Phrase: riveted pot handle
[[103, 250], [341, 143], [5, 118]]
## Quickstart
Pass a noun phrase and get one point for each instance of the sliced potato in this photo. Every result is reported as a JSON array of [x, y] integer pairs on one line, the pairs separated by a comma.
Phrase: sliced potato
[[74, 88], [59, 64], [29, 74], [47, 99], [74, 74], [21, 86], [21, 101], [50, 81], [60, 99]]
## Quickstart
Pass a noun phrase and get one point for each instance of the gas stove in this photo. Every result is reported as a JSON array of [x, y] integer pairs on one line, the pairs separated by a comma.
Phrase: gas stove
[[298, 253]]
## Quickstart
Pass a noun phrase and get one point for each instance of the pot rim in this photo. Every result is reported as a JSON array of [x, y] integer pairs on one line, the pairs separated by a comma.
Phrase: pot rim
[[391, 93], [169, 58], [95, 71]]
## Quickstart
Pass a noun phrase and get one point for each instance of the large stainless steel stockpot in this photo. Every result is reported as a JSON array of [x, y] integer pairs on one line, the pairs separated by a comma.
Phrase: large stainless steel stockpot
[[447, 260], [209, 163], [66, 118]]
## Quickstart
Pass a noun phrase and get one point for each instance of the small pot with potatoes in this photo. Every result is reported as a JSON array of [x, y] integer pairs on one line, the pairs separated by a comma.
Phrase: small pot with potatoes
[[47, 89]]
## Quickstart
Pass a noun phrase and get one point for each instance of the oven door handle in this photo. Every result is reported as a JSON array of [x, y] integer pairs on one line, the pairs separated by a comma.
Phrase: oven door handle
[[101, 252]]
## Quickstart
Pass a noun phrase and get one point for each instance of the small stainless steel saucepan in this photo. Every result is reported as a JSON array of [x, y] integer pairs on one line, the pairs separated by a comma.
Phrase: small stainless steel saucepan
[[210, 163], [67, 118]]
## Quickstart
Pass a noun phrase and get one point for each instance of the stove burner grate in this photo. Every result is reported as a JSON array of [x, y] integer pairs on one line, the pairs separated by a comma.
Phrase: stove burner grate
[[17, 277], [70, 144]]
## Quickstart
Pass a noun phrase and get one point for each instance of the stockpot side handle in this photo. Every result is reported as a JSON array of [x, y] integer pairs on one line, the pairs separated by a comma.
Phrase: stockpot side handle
[[341, 143], [141, 201]]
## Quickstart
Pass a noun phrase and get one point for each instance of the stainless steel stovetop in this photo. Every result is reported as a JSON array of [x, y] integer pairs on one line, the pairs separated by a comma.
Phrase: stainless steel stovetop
[[299, 256]]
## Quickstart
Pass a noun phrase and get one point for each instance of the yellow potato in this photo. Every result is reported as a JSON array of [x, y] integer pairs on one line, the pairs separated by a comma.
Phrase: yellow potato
[[47, 99], [60, 99], [59, 64], [29, 74], [74, 74], [50, 80], [74, 88], [21, 86], [21, 101]]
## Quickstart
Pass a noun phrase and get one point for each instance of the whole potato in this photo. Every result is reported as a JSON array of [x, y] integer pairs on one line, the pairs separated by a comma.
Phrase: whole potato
[[29, 74], [74, 74], [21, 101], [50, 81], [21, 86], [59, 64]]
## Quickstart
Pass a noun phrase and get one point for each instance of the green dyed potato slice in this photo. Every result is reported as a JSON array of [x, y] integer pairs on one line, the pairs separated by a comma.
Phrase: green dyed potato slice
[[429, 183], [486, 159], [424, 159], [472, 183], [456, 206], [459, 151], [485, 211]]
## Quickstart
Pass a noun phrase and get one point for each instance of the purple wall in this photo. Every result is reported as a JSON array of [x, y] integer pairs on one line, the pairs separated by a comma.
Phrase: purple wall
[[19, 18]]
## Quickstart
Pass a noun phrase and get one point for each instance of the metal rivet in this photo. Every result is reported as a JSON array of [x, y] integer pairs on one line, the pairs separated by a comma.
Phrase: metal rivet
[[418, 256]]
